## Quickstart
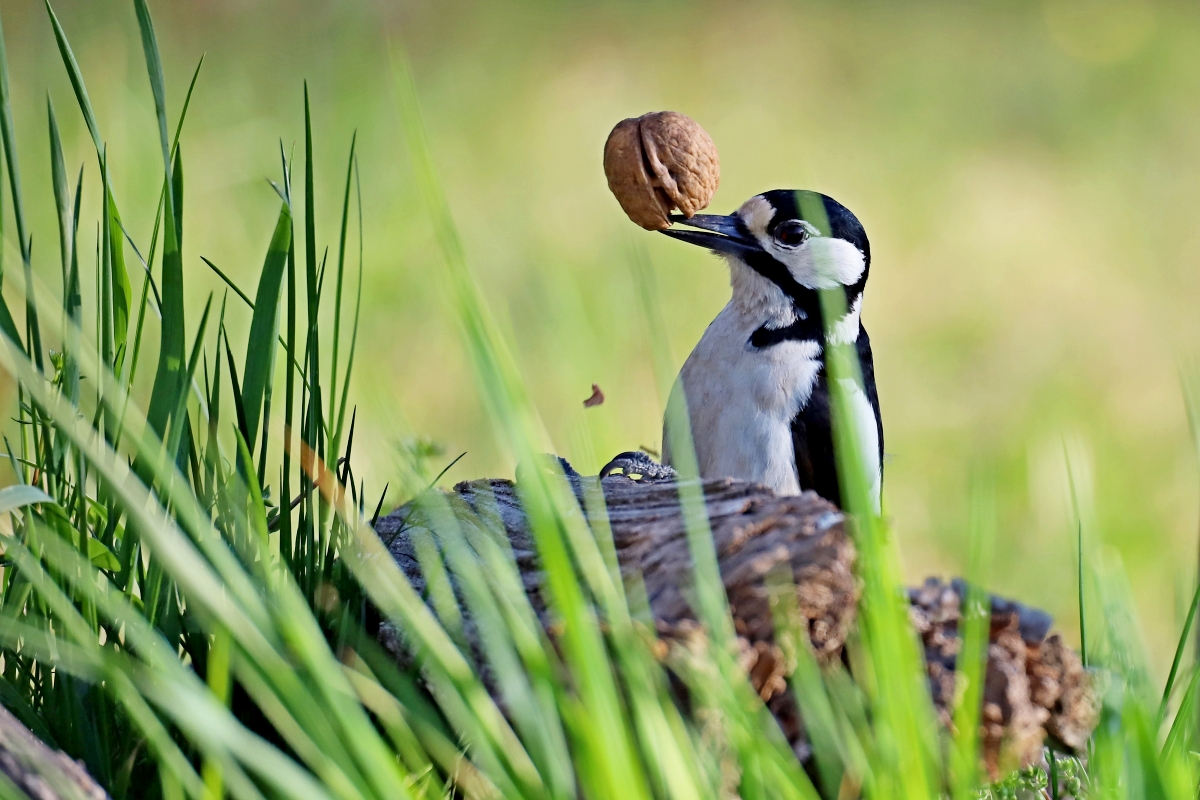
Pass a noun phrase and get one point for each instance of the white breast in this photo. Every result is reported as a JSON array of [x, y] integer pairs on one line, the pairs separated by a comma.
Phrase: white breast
[[741, 401]]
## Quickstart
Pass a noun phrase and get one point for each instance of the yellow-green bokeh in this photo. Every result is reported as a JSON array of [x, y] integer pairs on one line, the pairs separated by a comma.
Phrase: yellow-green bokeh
[[1028, 173]]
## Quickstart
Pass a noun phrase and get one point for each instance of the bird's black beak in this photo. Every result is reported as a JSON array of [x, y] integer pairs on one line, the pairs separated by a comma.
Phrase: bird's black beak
[[725, 235]]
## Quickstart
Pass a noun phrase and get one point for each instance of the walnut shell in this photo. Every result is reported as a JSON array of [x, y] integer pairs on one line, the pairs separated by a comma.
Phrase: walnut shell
[[658, 162]]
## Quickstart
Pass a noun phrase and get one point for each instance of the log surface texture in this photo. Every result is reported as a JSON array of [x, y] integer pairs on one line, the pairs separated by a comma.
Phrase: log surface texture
[[1035, 685], [39, 771]]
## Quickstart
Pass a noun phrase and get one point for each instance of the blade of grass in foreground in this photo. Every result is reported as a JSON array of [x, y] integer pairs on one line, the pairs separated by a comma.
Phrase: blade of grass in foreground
[[117, 277], [264, 326], [907, 732], [1190, 381], [195, 580], [33, 344], [162, 679], [606, 752], [710, 590], [972, 657], [760, 746], [334, 419], [835, 762], [168, 378]]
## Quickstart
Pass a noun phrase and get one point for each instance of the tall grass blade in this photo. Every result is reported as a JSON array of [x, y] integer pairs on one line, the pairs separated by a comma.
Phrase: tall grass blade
[[116, 276], [606, 742], [679, 450], [264, 326], [33, 344], [334, 419], [68, 220], [73, 72], [20, 495], [896, 681], [1180, 647], [971, 667], [167, 379], [345, 392]]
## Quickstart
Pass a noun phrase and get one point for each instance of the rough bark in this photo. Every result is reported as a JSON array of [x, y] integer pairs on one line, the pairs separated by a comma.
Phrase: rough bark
[[39, 771], [1034, 685]]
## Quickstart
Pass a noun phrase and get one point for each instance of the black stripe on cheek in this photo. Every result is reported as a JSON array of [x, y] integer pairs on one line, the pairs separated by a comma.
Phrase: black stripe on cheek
[[765, 264]]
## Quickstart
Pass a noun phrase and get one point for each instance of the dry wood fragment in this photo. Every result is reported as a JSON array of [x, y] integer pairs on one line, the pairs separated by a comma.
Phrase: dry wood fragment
[[39, 771], [1034, 685]]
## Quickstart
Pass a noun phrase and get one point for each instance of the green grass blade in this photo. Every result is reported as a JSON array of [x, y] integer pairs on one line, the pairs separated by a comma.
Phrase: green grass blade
[[677, 442], [229, 282], [236, 388], [167, 380], [157, 84], [194, 577], [116, 278], [249, 303], [971, 666], [1180, 647], [310, 218], [73, 72], [177, 690], [901, 699], [607, 737], [501, 630], [33, 344], [187, 101], [814, 700], [286, 535], [264, 326], [335, 428], [10, 151], [104, 293], [460, 694], [62, 197], [79, 630], [179, 415], [20, 495], [345, 393], [177, 195], [311, 271], [68, 220]]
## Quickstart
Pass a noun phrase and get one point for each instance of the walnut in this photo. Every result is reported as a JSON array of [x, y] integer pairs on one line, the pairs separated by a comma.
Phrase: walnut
[[658, 162]]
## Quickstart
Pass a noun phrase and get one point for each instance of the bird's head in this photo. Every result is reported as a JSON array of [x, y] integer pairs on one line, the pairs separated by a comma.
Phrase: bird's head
[[797, 240]]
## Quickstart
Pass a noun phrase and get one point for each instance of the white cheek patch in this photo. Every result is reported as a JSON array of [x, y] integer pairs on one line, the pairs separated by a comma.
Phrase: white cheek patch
[[822, 263]]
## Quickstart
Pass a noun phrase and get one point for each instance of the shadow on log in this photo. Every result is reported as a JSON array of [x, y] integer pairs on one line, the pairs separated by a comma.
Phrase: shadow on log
[[1034, 685]]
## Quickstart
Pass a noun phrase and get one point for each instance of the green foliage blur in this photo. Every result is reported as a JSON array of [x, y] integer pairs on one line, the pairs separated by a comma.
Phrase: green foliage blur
[[1027, 173]]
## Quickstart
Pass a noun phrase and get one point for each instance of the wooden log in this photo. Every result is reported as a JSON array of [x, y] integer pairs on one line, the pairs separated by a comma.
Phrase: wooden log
[[1035, 685], [39, 771]]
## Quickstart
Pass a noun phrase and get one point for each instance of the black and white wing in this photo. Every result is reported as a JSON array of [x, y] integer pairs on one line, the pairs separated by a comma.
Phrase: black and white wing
[[812, 432]]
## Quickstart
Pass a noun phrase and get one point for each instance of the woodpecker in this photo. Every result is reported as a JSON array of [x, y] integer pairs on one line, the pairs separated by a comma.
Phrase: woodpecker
[[756, 385]]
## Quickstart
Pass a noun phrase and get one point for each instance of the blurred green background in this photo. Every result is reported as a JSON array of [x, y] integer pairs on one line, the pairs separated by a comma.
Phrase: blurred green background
[[1028, 174]]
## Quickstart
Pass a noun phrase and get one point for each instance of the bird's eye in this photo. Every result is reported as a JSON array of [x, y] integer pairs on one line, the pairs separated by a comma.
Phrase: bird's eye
[[791, 233]]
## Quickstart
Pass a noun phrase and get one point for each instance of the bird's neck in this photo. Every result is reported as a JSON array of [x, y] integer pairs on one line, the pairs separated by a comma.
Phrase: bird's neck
[[778, 316], [757, 298]]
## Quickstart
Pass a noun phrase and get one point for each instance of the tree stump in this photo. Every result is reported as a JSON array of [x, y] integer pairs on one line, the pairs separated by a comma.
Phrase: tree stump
[[1034, 685]]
